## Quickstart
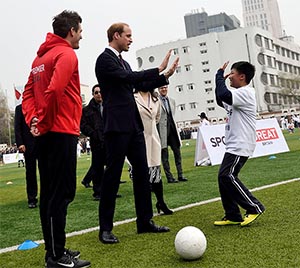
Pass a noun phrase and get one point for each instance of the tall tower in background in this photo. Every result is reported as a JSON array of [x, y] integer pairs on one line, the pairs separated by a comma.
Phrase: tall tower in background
[[264, 14]]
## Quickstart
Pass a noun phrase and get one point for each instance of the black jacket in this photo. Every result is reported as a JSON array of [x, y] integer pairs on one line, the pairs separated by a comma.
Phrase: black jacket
[[117, 83], [91, 124], [22, 132]]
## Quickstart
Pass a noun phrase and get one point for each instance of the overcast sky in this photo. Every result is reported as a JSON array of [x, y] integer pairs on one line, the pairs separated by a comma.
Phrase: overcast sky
[[24, 24]]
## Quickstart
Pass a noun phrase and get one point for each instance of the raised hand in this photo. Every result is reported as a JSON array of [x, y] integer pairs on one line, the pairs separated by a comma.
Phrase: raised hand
[[223, 68], [172, 68], [165, 62]]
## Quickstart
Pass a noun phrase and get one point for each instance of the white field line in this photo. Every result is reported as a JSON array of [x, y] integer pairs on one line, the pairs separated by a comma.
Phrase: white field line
[[8, 249]]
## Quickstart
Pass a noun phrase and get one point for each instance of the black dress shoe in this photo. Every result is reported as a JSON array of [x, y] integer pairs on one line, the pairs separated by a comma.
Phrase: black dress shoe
[[151, 227], [172, 180], [86, 184], [182, 179], [108, 237], [32, 205]]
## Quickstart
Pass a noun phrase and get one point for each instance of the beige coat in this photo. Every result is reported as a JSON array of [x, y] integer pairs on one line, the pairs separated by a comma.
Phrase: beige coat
[[150, 114]]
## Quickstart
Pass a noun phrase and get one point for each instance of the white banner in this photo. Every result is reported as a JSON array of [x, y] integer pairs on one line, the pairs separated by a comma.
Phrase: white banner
[[211, 141], [12, 158]]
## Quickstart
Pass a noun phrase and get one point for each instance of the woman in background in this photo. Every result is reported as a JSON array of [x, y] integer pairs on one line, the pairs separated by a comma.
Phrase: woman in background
[[149, 109]]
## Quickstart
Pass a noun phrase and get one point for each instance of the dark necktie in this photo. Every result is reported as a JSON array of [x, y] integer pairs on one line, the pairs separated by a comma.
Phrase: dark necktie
[[166, 104], [122, 61]]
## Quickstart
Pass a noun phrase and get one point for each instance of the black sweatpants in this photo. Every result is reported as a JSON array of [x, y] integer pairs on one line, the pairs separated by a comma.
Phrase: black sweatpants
[[57, 167], [233, 192]]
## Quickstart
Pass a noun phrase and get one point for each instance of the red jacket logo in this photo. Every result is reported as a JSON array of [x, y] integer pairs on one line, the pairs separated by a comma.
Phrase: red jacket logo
[[266, 134]]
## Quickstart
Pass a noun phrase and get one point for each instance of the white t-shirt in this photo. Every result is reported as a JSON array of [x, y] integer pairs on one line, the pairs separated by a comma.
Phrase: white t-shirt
[[240, 130]]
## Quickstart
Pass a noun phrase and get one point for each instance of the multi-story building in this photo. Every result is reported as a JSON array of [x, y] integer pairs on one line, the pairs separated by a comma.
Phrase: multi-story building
[[198, 23], [263, 14], [276, 81]]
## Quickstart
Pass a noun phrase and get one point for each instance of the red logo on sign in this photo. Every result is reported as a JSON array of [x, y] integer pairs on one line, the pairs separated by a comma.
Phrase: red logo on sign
[[266, 134]]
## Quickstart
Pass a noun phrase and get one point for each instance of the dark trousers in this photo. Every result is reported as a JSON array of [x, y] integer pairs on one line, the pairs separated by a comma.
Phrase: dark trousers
[[31, 178], [119, 145], [233, 192], [96, 170], [175, 147], [57, 166]]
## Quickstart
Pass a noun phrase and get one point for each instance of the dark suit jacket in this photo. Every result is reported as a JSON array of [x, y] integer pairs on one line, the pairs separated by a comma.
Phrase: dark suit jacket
[[117, 83], [22, 131], [91, 124]]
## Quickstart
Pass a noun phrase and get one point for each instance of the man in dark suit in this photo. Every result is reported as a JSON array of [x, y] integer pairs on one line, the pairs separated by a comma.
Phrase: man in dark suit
[[92, 126], [123, 130], [26, 144], [169, 136]]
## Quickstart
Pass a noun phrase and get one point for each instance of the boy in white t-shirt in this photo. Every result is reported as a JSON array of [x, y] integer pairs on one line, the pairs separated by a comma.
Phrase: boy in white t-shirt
[[240, 138]]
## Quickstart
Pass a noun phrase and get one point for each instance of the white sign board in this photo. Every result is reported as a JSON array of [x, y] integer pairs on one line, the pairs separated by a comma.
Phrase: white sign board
[[12, 158], [211, 141]]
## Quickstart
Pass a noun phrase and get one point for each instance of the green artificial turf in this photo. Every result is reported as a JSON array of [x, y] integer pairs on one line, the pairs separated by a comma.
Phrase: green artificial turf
[[272, 241]]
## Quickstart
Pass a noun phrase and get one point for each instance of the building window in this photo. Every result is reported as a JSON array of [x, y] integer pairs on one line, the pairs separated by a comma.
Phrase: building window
[[267, 97], [205, 70], [179, 88], [207, 82], [210, 109], [203, 51], [181, 107], [205, 62], [258, 40], [178, 69], [188, 67], [151, 59], [209, 89], [202, 44], [175, 51], [193, 105], [185, 49], [264, 78], [261, 58], [267, 46], [272, 80], [191, 86], [269, 60], [275, 100], [209, 101]]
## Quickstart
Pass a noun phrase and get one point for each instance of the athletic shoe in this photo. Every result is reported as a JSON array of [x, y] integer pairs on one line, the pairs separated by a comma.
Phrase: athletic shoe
[[66, 261], [72, 253], [249, 218], [225, 222]]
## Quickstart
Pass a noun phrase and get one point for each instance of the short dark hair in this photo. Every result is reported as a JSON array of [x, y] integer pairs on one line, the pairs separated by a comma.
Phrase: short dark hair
[[115, 28], [93, 88], [64, 22], [246, 68]]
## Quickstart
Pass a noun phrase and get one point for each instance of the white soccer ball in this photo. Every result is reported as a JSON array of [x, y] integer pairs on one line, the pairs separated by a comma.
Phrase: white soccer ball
[[190, 243]]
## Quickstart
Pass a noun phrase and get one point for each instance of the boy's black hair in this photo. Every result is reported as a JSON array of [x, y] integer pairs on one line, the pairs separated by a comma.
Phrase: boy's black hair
[[246, 68]]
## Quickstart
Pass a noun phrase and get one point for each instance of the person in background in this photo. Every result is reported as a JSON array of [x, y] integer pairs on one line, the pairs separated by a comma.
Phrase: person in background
[[123, 130], [204, 120], [52, 108], [91, 125], [240, 139], [149, 108], [26, 145], [169, 136]]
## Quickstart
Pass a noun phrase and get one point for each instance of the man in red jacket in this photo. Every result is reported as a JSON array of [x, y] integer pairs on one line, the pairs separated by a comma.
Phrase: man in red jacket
[[52, 110]]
